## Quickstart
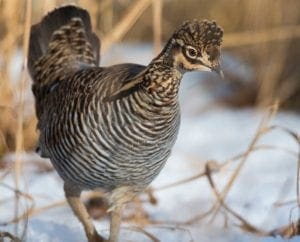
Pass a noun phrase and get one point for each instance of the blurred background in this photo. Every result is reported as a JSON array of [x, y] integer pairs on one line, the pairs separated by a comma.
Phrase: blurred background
[[260, 59], [261, 49]]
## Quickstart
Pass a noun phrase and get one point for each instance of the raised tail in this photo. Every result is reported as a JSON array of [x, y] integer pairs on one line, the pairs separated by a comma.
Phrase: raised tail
[[61, 43]]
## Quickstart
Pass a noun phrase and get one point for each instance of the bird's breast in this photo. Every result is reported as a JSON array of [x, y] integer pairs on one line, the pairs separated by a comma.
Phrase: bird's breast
[[108, 144]]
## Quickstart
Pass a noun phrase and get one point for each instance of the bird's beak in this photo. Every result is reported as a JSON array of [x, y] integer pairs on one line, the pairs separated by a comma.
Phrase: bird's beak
[[218, 70]]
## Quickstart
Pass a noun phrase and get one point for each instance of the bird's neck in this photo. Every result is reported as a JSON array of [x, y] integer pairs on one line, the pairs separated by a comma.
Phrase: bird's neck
[[162, 77]]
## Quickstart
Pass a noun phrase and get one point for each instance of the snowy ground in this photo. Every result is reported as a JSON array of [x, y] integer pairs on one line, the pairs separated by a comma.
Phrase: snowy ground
[[214, 133]]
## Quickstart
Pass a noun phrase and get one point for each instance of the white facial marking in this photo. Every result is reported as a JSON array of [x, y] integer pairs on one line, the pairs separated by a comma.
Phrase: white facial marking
[[204, 68], [191, 52], [205, 59], [180, 42]]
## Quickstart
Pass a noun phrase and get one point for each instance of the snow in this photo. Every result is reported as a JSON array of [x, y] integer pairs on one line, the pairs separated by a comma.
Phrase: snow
[[214, 133]]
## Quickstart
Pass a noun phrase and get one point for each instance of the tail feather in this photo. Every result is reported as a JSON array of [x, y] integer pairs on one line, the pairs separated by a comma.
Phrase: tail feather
[[62, 42]]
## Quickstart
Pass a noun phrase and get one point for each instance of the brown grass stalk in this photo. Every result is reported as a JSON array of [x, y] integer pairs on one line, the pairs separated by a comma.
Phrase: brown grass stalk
[[288, 231], [18, 193], [296, 137], [33, 211], [262, 129], [285, 203], [214, 167], [143, 231], [20, 113], [125, 24], [8, 235], [218, 167], [9, 17], [172, 228], [106, 12], [157, 6], [245, 225], [48, 5]]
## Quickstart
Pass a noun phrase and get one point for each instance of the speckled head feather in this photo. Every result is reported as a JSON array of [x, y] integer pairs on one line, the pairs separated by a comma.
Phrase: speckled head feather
[[195, 45], [203, 33]]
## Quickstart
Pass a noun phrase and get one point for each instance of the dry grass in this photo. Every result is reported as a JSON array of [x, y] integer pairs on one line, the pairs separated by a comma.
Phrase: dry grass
[[211, 167], [211, 170], [157, 22], [256, 39], [125, 23]]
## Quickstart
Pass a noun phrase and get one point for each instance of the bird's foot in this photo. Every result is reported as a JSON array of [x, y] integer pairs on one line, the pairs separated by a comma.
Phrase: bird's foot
[[96, 238]]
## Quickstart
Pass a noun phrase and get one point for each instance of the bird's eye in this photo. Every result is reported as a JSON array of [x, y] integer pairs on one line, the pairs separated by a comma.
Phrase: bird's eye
[[191, 52]]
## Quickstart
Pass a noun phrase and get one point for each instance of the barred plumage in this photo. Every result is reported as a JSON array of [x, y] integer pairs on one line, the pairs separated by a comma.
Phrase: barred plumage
[[109, 127]]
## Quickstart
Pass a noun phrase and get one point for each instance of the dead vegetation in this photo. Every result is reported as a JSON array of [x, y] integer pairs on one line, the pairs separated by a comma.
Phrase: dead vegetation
[[268, 43], [265, 41], [212, 169]]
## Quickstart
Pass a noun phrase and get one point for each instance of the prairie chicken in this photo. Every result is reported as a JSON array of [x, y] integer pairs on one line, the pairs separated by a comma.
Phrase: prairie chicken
[[113, 127]]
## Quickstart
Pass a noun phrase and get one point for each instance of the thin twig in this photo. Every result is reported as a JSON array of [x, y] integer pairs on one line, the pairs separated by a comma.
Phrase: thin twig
[[297, 139], [177, 227], [245, 224], [141, 230], [23, 194], [216, 168], [33, 211], [157, 6], [26, 195], [20, 118], [125, 24], [20, 114], [199, 216], [13, 238], [285, 203], [287, 231], [262, 128]]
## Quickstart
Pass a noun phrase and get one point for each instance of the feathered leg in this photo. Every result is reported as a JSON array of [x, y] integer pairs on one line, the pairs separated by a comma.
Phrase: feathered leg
[[73, 197], [115, 222], [118, 197]]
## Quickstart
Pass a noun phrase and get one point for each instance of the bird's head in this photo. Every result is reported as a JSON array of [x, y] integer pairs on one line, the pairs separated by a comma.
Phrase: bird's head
[[196, 45]]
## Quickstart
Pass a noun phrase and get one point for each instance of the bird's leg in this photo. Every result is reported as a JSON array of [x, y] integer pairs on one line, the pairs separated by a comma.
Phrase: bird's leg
[[115, 222], [73, 197], [118, 197]]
